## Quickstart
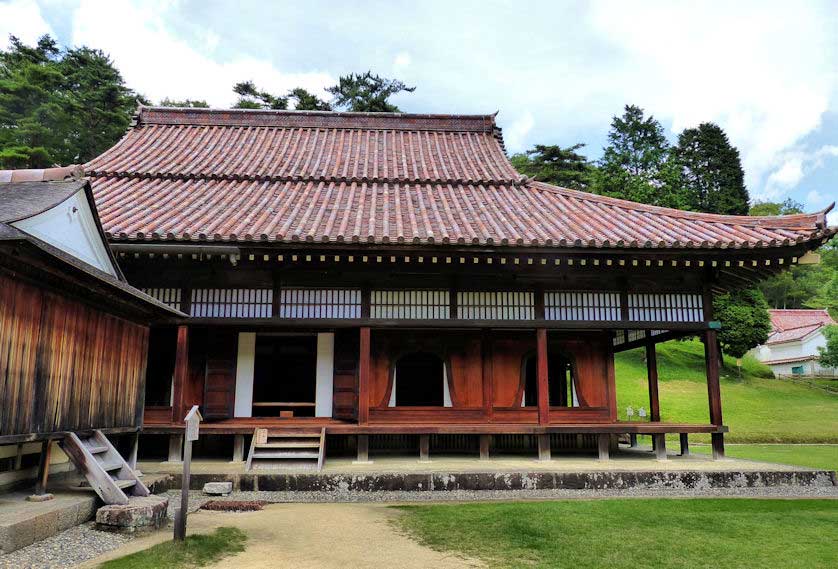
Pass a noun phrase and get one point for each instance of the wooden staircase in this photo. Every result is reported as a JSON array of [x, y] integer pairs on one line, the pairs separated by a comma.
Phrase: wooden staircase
[[106, 471], [288, 448]]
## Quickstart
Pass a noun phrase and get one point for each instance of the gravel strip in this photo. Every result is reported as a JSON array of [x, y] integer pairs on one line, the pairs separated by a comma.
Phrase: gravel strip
[[196, 498], [66, 549]]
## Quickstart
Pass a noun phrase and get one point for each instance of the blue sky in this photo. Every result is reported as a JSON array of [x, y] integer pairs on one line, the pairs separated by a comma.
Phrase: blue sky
[[557, 72]]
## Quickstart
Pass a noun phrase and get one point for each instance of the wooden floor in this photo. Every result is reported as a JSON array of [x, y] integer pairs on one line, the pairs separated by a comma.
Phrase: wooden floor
[[336, 427]]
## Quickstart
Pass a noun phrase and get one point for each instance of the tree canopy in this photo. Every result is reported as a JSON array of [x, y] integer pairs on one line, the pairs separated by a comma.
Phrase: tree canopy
[[189, 103], [366, 92], [787, 207], [711, 171], [828, 355], [745, 320], [638, 164], [553, 164], [59, 106]]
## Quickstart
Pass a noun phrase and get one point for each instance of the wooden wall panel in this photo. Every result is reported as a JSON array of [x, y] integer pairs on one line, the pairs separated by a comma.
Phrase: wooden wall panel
[[65, 365], [466, 367], [220, 381]]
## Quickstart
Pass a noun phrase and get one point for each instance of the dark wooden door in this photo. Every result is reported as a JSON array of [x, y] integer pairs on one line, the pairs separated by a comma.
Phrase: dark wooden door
[[220, 378], [345, 382]]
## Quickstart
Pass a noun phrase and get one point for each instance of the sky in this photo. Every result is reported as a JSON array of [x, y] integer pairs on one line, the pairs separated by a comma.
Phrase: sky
[[556, 72]]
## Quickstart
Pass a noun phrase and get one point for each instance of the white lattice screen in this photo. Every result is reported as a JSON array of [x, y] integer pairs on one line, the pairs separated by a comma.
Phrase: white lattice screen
[[673, 307], [496, 305], [411, 304], [580, 305], [168, 296], [232, 302], [319, 303]]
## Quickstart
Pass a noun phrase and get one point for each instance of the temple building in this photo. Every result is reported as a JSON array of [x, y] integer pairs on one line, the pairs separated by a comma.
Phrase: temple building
[[355, 279]]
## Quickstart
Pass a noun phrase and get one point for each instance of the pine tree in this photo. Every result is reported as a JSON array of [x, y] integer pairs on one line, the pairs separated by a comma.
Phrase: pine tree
[[59, 106], [711, 171], [553, 164], [365, 92], [638, 164]]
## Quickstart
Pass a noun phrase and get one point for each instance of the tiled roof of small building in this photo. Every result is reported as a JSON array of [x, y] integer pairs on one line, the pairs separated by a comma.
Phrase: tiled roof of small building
[[287, 176], [788, 325]]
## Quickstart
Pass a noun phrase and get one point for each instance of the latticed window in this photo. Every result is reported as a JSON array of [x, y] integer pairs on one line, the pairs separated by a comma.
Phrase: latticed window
[[496, 305], [168, 296], [232, 302], [410, 304], [319, 303], [581, 305], [670, 307]]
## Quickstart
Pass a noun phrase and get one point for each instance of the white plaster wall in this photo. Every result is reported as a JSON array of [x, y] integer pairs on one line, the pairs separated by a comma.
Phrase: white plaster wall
[[324, 375], [245, 363], [71, 227]]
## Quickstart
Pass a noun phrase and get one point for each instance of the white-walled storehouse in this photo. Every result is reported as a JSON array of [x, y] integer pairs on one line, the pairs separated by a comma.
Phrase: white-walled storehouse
[[792, 346]]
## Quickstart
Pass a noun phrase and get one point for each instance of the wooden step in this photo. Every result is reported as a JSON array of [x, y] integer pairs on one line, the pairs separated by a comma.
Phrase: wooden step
[[97, 449], [123, 484], [292, 435], [292, 444], [285, 454], [109, 466], [285, 465]]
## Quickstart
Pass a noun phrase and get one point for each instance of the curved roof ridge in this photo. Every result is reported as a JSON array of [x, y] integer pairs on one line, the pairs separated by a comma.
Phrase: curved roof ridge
[[756, 220]]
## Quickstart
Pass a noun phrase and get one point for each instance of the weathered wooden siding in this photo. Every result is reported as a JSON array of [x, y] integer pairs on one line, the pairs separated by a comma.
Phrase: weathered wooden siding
[[65, 365]]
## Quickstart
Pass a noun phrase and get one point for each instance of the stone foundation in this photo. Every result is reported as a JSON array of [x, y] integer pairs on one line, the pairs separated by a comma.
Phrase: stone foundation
[[141, 513]]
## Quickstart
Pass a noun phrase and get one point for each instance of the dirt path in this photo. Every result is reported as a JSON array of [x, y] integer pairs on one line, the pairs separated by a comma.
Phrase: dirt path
[[316, 536]]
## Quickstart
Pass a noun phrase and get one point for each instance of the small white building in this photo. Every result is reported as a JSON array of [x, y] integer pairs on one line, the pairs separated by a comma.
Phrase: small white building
[[792, 346]]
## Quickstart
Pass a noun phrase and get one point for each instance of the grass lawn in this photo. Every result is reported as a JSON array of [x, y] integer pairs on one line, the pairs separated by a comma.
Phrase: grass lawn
[[813, 456], [196, 551], [634, 533], [757, 409]]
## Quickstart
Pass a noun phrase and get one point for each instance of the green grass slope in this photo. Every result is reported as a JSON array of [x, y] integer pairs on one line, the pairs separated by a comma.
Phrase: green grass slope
[[756, 407]]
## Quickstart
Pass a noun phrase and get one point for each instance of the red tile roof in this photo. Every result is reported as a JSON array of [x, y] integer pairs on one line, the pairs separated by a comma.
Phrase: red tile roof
[[796, 324], [284, 176]]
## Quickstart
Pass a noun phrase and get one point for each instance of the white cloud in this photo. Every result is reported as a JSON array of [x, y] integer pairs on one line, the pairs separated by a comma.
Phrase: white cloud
[[514, 135], [401, 60], [23, 19], [159, 64], [764, 71]]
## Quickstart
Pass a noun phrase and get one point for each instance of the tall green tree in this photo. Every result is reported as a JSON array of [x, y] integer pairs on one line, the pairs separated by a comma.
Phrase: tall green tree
[[638, 164], [305, 101], [366, 92], [59, 106], [553, 164], [744, 318], [711, 171]]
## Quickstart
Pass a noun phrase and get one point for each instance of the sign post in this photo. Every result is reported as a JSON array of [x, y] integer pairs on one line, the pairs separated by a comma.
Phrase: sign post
[[193, 420]]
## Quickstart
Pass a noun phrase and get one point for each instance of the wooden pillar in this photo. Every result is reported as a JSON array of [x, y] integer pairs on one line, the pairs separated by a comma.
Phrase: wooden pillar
[[175, 448], [488, 378], [19, 457], [424, 448], [238, 448], [652, 372], [685, 444], [542, 377], [363, 449], [660, 446], [714, 394], [181, 375], [43, 468], [485, 443], [544, 447], [633, 440], [604, 446], [364, 377]]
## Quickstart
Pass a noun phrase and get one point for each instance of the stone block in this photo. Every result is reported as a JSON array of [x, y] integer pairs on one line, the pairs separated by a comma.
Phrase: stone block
[[218, 488], [140, 513]]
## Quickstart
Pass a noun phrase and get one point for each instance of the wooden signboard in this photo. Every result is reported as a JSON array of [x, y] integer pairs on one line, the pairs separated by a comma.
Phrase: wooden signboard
[[192, 420]]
